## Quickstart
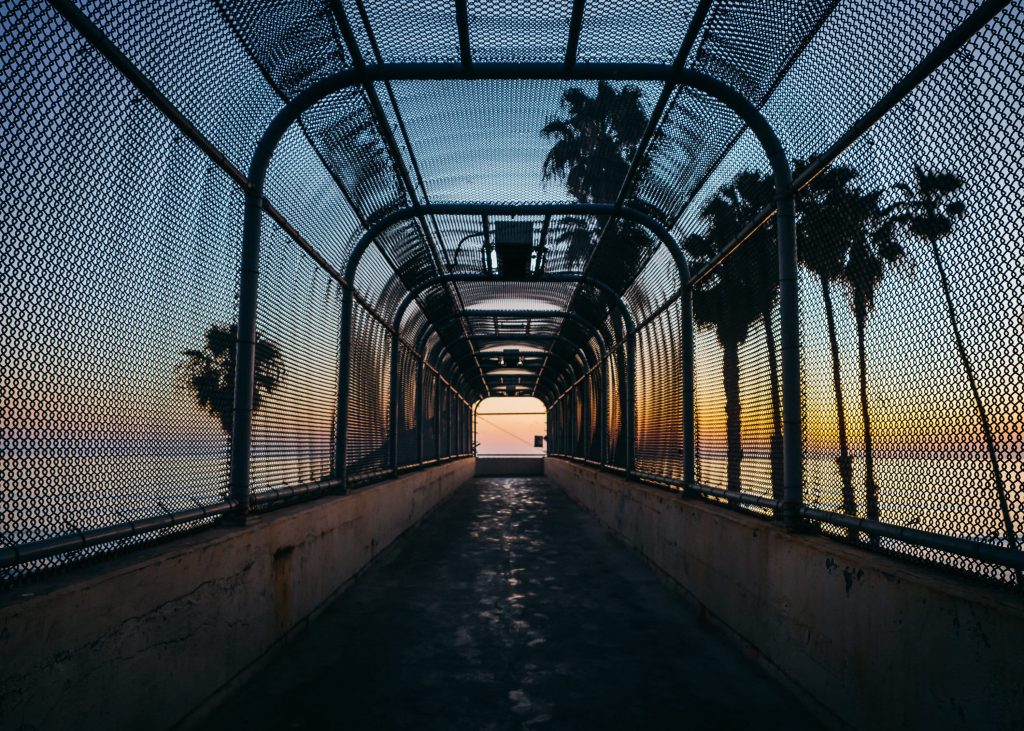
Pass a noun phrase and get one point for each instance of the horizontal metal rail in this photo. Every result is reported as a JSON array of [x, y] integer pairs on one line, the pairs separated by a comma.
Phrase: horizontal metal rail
[[37, 550], [978, 550]]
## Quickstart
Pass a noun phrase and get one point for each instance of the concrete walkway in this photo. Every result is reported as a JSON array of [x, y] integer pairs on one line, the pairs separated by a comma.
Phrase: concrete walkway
[[509, 608]]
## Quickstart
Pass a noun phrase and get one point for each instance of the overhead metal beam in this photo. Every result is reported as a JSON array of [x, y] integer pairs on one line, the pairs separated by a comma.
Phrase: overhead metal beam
[[579, 352], [615, 301], [502, 314], [549, 390]]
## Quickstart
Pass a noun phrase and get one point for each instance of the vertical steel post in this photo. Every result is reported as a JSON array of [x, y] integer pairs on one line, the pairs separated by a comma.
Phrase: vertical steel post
[[245, 351], [451, 422], [689, 416], [419, 412], [344, 368], [574, 427], [437, 418], [458, 427], [629, 418], [602, 416], [586, 418], [789, 311], [394, 405]]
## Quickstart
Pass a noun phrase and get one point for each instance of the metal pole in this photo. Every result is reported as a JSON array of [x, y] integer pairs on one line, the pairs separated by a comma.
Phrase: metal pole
[[245, 353], [629, 418], [451, 424], [395, 396], [574, 437], [792, 446], [602, 417], [344, 366], [419, 412], [437, 420], [689, 422]]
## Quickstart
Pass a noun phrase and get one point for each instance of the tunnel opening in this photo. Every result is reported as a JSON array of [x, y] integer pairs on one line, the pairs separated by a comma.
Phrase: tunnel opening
[[510, 435]]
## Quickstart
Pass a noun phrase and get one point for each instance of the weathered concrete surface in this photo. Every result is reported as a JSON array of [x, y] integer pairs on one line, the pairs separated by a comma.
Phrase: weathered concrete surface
[[509, 466], [510, 608], [141, 641], [872, 642]]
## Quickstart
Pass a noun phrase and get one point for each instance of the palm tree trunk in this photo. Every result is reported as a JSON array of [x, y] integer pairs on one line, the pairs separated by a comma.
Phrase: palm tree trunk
[[776, 440], [870, 487], [844, 461], [731, 382], [986, 428]]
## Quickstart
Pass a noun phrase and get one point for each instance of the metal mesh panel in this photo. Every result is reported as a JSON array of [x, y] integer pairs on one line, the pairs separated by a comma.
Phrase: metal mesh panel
[[369, 393], [616, 437], [923, 315], [429, 423], [300, 319], [659, 391], [121, 250], [118, 250], [188, 51], [408, 432]]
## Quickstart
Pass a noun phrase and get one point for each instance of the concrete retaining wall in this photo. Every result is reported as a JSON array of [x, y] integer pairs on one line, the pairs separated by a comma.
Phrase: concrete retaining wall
[[509, 466], [144, 640], [867, 641]]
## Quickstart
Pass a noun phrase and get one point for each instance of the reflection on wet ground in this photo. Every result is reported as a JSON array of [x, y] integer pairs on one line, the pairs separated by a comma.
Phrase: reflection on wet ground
[[509, 608]]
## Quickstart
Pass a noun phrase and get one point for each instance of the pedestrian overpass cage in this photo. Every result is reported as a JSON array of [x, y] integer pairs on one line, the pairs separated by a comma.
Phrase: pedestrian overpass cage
[[255, 252]]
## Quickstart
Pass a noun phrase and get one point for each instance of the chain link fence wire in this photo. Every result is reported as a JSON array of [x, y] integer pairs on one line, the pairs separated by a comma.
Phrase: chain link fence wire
[[122, 209], [297, 353], [911, 335], [119, 254], [118, 288]]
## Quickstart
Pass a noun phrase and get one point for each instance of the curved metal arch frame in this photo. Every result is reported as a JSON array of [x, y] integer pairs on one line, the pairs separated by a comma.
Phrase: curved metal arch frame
[[629, 326], [395, 393], [540, 314], [550, 391], [744, 108], [595, 330]]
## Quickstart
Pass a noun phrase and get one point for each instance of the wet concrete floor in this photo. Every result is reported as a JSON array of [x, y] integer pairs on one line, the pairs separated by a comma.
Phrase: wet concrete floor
[[509, 608]]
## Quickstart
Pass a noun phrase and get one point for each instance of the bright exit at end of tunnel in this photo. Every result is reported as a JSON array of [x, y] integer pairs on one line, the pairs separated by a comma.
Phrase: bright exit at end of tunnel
[[511, 426]]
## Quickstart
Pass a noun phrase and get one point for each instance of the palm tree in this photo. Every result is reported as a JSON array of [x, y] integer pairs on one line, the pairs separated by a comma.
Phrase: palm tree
[[872, 251], [209, 373], [741, 290], [928, 211], [828, 224], [595, 143]]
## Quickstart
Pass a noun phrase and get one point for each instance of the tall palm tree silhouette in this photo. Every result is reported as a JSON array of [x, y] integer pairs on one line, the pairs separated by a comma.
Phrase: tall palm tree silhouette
[[741, 290], [873, 250], [928, 212], [209, 373], [831, 218], [595, 142]]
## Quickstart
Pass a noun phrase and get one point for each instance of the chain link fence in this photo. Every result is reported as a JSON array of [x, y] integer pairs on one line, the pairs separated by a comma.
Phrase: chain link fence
[[911, 337], [119, 285], [132, 237]]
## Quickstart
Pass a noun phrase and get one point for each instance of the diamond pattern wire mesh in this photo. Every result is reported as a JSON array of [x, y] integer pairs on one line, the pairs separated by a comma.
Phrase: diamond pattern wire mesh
[[300, 312], [121, 252]]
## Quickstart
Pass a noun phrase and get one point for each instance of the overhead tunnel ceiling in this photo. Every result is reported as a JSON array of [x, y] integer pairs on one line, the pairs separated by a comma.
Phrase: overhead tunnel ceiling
[[388, 146]]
